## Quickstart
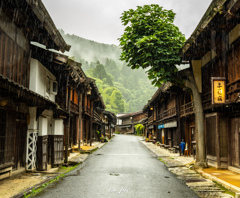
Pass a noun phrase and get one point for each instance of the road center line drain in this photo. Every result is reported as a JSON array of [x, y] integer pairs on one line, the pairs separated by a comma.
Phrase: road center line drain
[[114, 174]]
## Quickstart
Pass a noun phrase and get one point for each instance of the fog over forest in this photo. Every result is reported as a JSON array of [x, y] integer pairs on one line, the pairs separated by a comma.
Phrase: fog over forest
[[122, 89]]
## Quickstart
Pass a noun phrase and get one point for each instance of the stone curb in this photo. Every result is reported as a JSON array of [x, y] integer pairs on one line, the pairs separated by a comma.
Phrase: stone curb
[[29, 190], [226, 185]]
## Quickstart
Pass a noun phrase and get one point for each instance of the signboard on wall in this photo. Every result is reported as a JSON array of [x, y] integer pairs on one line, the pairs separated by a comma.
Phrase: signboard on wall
[[161, 126], [168, 125], [218, 90]]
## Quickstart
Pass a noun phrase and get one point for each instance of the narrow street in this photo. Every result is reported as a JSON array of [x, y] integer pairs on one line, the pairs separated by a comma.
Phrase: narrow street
[[122, 168]]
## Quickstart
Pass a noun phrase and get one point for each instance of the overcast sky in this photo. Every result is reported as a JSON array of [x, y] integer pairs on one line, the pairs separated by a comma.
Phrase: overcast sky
[[99, 20]]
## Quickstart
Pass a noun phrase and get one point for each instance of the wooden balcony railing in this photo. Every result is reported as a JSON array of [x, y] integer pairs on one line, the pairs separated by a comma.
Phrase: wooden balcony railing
[[74, 107], [167, 113], [233, 90], [186, 109], [96, 116], [207, 100], [150, 119], [88, 111]]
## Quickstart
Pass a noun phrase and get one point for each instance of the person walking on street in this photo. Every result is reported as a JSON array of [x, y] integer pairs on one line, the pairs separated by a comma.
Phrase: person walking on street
[[182, 147]]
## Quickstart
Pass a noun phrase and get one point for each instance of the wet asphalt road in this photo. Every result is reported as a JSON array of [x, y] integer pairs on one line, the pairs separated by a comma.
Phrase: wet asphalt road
[[121, 168]]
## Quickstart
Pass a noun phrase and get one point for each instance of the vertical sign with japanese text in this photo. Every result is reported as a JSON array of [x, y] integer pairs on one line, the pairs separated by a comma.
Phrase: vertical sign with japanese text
[[218, 90]]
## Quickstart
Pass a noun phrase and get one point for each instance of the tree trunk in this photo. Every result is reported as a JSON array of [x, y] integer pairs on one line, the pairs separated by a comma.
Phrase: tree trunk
[[199, 123]]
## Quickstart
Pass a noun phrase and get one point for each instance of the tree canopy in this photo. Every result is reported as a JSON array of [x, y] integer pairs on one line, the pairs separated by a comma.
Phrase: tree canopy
[[151, 41]]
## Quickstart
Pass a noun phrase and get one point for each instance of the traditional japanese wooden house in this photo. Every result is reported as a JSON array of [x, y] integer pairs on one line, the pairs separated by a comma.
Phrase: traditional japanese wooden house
[[127, 121], [98, 116], [110, 123], [163, 111], [125, 124], [90, 97], [71, 83], [151, 125], [213, 52], [78, 85], [187, 121], [21, 23]]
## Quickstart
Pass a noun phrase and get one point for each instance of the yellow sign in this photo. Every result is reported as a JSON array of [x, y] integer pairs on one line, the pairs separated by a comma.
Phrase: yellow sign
[[218, 90]]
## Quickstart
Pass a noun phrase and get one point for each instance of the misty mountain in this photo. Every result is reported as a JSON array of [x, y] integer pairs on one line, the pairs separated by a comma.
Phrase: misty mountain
[[122, 89], [91, 51]]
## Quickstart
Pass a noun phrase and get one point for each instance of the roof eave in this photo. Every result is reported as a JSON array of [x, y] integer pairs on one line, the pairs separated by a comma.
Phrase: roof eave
[[212, 10], [42, 14]]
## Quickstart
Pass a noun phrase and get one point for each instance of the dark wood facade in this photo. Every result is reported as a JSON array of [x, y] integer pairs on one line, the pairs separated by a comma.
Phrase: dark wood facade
[[129, 120], [164, 116], [14, 61], [215, 45], [16, 33], [187, 121]]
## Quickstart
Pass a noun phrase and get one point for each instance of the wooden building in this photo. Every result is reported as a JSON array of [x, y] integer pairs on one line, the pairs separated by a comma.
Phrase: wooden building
[[98, 108], [98, 118], [213, 52], [164, 116], [71, 85], [187, 121], [110, 121], [93, 117], [126, 122], [19, 104]]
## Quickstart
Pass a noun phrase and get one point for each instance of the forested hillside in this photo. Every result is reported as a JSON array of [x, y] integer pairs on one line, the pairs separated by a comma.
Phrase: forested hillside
[[122, 89]]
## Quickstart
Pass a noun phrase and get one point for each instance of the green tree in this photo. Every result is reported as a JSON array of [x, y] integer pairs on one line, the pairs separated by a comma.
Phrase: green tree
[[151, 41], [99, 72], [117, 101], [139, 128], [113, 99]]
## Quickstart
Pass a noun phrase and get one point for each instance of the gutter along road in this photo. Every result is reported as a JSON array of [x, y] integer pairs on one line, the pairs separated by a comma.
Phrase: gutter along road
[[124, 167]]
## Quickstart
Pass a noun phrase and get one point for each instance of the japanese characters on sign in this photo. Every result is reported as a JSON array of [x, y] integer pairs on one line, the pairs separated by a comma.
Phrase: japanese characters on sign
[[218, 90]]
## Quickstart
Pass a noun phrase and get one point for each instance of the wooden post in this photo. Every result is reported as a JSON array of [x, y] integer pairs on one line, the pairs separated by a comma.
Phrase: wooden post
[[80, 119], [91, 125], [68, 124], [109, 128]]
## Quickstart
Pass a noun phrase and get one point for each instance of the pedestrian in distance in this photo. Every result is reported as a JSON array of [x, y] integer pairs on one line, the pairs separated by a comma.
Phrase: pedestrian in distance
[[182, 147]]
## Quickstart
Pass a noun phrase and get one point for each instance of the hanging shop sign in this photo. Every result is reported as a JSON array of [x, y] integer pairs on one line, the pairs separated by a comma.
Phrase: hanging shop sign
[[168, 125], [218, 90]]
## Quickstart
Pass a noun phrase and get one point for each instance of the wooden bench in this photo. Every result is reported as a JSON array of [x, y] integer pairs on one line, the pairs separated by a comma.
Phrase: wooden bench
[[6, 170]]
